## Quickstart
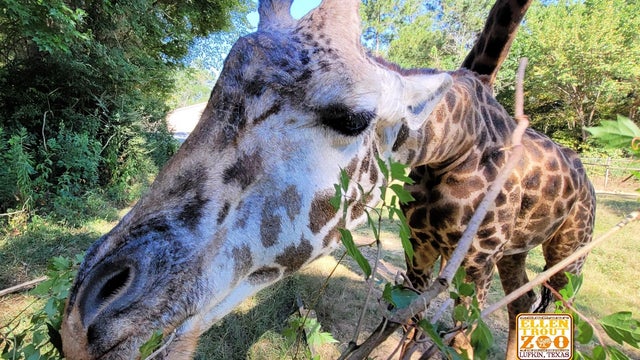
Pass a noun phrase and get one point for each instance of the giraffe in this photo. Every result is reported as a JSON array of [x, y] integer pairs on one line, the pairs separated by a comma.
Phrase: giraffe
[[235, 211], [548, 199], [246, 199]]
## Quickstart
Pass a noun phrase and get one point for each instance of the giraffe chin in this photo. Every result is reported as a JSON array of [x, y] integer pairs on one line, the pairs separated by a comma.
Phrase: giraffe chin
[[179, 343]]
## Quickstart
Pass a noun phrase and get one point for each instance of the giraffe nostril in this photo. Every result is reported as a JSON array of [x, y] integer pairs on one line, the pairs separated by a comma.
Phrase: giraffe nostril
[[105, 289], [114, 285]]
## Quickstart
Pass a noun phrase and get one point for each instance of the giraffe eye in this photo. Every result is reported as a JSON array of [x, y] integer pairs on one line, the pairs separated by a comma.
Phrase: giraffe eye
[[344, 120]]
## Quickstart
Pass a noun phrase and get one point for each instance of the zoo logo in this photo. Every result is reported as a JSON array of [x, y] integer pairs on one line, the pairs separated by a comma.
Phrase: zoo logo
[[544, 336]]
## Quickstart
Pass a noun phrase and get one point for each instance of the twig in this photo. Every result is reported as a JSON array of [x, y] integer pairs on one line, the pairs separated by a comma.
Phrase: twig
[[23, 286], [371, 282], [581, 315], [13, 213]]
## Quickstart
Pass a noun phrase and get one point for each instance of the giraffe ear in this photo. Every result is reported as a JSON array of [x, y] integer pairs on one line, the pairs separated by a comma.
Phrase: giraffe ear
[[275, 14], [407, 100], [421, 94], [412, 98]]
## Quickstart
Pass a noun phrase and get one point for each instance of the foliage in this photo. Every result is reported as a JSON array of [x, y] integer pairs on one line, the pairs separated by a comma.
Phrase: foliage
[[35, 338], [622, 133], [84, 89], [584, 66], [620, 326], [311, 329]]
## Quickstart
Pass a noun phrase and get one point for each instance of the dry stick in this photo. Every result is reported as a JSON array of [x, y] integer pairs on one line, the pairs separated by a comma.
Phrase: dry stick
[[544, 276], [23, 286], [441, 284]]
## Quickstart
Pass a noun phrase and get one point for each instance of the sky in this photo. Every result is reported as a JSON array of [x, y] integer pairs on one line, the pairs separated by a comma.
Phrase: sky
[[298, 10]]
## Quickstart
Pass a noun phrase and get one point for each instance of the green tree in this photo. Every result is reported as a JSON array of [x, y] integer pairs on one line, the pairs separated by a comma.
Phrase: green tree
[[585, 64], [92, 76], [382, 19], [441, 35]]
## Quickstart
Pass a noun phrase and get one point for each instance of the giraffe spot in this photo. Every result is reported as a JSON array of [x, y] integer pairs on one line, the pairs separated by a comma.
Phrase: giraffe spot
[[532, 180], [223, 212], [403, 135], [270, 226], [568, 188], [274, 109], [551, 189], [552, 165], [558, 209], [485, 233], [294, 257], [440, 217], [264, 275], [331, 237], [501, 199], [242, 261], [505, 215], [244, 171], [418, 218], [256, 85], [321, 211], [357, 210], [528, 202], [193, 210], [542, 211], [292, 201]]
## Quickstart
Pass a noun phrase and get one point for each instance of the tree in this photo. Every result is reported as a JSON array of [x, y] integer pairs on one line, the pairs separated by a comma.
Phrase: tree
[[441, 36], [585, 66], [381, 20], [92, 76]]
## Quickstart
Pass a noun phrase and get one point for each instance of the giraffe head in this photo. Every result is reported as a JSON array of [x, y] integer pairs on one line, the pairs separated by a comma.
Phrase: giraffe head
[[245, 201]]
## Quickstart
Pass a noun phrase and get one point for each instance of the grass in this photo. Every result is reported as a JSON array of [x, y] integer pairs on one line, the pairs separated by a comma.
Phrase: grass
[[254, 330]]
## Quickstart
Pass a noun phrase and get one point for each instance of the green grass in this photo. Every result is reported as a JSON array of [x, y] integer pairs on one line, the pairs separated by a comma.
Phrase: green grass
[[254, 330]]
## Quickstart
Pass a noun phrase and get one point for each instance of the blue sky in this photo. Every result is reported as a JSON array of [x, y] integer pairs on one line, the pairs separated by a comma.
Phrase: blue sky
[[298, 10]]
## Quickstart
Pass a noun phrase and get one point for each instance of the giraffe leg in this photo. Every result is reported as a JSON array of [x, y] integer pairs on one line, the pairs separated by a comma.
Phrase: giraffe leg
[[513, 274], [559, 247]]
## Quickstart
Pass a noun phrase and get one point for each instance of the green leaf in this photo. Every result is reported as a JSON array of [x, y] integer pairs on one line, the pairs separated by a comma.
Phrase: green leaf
[[430, 330], [399, 296], [354, 252], [383, 167], [460, 313], [336, 199], [615, 354], [584, 331], [344, 179], [574, 282], [151, 345], [404, 195], [373, 225], [615, 134], [622, 328], [598, 353], [399, 172], [481, 340]]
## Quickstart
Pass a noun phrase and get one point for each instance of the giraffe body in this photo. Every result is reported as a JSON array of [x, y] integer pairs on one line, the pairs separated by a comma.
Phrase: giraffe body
[[548, 199]]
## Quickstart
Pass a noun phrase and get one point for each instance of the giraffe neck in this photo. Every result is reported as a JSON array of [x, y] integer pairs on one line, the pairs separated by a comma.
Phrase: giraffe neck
[[494, 42], [467, 120]]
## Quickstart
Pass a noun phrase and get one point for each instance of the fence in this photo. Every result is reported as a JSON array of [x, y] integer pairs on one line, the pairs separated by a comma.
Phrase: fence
[[610, 175]]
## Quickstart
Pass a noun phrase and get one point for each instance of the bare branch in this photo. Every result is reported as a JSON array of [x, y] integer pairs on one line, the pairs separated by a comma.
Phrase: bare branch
[[20, 287]]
